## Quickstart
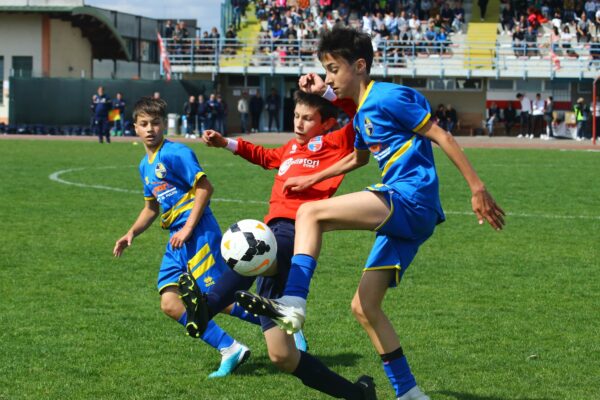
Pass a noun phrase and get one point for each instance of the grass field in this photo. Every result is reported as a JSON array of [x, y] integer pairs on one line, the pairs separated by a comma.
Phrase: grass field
[[482, 315]]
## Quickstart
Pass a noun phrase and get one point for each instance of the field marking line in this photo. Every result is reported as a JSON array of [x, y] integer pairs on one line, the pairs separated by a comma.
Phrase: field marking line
[[56, 177]]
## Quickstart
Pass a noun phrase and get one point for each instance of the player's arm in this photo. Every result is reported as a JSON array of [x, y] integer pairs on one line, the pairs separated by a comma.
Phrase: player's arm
[[203, 191], [483, 203], [352, 161], [259, 155], [143, 222]]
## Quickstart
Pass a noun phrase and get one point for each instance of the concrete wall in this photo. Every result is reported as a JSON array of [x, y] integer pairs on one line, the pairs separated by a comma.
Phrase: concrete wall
[[70, 52], [125, 70], [20, 35]]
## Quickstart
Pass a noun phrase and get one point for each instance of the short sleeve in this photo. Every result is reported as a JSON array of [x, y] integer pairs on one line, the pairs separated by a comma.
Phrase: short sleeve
[[147, 192], [359, 143], [407, 107], [186, 166]]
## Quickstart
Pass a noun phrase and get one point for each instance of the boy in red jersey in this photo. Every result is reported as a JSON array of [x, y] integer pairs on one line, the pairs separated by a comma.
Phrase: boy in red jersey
[[310, 151]]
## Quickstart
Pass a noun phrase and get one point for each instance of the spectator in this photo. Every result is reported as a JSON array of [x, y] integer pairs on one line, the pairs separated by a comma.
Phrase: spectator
[[482, 8], [190, 113], [507, 19], [581, 113], [566, 37], [440, 117], [212, 110], [256, 107], [583, 29], [118, 105], [510, 117], [222, 112], [554, 39], [101, 105], [168, 32], [273, 109], [242, 108], [531, 42], [549, 117], [525, 119], [201, 113], [451, 118], [156, 95], [519, 44], [538, 109], [493, 115]]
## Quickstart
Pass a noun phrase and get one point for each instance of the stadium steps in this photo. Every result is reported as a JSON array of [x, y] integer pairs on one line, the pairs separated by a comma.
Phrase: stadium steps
[[477, 55], [249, 36]]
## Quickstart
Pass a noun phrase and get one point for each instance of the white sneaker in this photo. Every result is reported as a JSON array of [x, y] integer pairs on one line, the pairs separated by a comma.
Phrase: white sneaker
[[414, 394], [530, 136], [288, 312], [520, 136]]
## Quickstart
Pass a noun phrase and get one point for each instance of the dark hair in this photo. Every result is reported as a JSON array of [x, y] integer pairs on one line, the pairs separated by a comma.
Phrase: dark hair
[[519, 95], [347, 43], [150, 106], [325, 108]]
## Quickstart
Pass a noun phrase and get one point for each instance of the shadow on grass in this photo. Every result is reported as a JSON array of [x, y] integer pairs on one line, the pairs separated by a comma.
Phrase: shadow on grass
[[468, 396], [261, 365]]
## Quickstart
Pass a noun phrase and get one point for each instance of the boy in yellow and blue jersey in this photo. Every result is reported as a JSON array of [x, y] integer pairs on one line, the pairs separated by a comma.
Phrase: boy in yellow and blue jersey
[[393, 124], [174, 180]]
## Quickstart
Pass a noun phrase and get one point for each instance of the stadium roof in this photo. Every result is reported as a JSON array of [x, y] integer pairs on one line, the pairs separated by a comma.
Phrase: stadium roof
[[106, 41]]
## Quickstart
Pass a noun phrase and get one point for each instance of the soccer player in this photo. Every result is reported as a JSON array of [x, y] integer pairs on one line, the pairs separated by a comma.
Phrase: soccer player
[[393, 123], [173, 179], [310, 150]]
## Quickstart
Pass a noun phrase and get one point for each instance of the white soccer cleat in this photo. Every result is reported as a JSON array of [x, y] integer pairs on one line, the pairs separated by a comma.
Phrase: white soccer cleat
[[414, 394], [288, 312]]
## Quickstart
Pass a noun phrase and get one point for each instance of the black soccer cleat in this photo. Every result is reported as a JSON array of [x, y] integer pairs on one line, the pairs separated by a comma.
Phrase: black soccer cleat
[[366, 384], [195, 305], [257, 305]]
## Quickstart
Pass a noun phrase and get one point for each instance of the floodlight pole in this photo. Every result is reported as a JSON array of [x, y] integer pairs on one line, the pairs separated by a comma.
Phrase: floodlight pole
[[594, 101]]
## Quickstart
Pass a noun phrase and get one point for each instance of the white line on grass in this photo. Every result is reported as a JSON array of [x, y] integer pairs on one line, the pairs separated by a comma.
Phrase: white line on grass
[[55, 176]]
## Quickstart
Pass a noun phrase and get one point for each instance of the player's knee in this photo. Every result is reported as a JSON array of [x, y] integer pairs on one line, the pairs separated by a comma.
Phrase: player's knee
[[363, 311], [283, 360], [310, 212], [171, 307]]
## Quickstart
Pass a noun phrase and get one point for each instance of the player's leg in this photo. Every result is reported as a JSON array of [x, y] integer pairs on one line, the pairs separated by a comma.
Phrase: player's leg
[[312, 219], [311, 371]]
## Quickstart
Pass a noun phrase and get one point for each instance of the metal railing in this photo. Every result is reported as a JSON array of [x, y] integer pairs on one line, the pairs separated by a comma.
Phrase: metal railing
[[408, 58]]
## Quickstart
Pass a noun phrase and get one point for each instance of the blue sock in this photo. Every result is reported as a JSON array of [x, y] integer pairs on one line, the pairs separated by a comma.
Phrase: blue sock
[[216, 337], [301, 272], [221, 294], [183, 319], [241, 313], [398, 372]]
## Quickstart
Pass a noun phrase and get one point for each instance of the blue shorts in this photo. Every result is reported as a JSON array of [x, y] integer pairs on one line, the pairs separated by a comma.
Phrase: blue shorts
[[200, 255], [272, 286], [398, 238]]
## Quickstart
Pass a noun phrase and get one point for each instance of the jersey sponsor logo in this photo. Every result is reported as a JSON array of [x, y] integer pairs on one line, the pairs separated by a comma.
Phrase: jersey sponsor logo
[[380, 151], [304, 162], [160, 171], [315, 144], [368, 126], [163, 190]]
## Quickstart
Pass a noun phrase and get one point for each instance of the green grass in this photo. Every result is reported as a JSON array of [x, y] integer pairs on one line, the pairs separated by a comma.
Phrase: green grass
[[482, 315]]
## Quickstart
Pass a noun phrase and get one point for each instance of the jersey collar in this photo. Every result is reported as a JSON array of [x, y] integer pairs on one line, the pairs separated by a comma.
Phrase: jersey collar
[[155, 152], [365, 95]]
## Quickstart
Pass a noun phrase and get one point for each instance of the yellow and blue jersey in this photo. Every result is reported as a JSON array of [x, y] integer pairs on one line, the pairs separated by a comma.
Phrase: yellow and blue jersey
[[386, 123], [170, 176]]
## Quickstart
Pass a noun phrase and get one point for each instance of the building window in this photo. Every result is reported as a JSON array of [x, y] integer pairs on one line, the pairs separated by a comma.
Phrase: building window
[[22, 66], [132, 48], [501, 84]]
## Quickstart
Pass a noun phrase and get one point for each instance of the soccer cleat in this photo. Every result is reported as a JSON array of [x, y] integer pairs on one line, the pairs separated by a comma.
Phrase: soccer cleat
[[287, 312], [195, 305], [367, 387], [230, 362], [300, 340], [414, 394]]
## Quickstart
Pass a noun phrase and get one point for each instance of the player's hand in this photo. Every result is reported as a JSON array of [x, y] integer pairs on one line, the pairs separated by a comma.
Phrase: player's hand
[[298, 183], [213, 138], [123, 243], [485, 208], [179, 238], [312, 83]]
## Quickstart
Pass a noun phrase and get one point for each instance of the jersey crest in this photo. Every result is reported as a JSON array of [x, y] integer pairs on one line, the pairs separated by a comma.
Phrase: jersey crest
[[160, 171], [315, 144], [368, 126]]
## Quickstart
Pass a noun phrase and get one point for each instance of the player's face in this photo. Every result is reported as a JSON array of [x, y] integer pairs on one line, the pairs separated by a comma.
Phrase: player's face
[[150, 130], [341, 76], [307, 123]]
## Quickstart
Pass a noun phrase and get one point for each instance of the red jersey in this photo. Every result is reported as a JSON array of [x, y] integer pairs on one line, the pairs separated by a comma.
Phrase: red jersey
[[293, 159]]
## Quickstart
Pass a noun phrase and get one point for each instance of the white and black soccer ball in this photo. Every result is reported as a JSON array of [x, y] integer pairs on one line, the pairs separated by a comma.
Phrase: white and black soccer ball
[[249, 247]]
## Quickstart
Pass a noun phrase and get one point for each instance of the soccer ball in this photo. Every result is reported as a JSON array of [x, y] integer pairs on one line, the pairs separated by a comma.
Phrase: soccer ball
[[249, 247]]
